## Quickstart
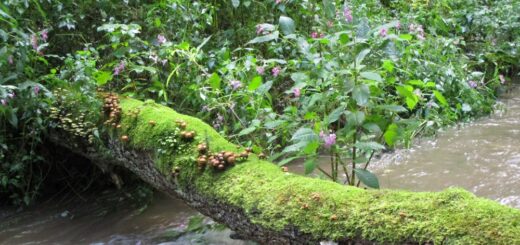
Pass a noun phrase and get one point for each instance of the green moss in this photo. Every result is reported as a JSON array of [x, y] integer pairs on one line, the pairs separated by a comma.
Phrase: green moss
[[276, 199]]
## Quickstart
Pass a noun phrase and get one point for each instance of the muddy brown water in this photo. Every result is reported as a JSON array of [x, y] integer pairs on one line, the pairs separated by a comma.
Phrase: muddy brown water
[[482, 157]]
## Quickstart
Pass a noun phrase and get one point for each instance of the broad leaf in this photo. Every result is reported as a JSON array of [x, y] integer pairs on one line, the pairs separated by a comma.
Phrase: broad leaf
[[371, 76], [247, 131], [304, 134], [214, 81], [361, 94], [367, 178], [391, 134], [287, 25], [393, 108]]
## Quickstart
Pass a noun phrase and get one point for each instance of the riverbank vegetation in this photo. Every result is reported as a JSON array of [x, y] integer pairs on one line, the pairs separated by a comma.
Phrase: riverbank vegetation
[[290, 79]]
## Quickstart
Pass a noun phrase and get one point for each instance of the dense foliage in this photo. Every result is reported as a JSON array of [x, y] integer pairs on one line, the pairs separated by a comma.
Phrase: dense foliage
[[292, 78]]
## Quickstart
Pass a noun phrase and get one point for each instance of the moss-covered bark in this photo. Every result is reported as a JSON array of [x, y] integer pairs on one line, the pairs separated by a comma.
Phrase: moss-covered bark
[[261, 202]]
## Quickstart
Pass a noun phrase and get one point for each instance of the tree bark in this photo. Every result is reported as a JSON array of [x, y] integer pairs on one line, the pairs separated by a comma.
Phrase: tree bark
[[260, 202]]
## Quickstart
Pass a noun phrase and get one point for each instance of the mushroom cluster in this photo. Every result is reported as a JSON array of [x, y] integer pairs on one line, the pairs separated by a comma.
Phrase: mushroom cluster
[[112, 110], [220, 160], [74, 122]]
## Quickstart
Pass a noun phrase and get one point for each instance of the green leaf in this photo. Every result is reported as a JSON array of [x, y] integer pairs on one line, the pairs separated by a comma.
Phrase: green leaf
[[410, 98], [329, 9], [361, 94], [356, 118], [335, 115], [235, 3], [287, 25], [273, 124], [405, 37], [287, 160], [440, 98], [102, 77], [311, 147], [255, 83], [214, 81], [391, 134], [309, 166], [300, 77], [344, 38], [367, 178], [304, 134], [246, 131], [388, 65], [393, 108], [265, 38], [371, 76], [361, 56], [295, 147]]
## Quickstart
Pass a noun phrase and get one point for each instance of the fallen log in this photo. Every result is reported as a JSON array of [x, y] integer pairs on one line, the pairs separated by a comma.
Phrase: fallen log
[[260, 202]]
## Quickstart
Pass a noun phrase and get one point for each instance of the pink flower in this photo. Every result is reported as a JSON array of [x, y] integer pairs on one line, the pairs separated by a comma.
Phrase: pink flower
[[278, 1], [11, 95], [314, 35], [472, 84], [276, 70], [347, 14], [45, 35], [161, 39], [10, 60], [235, 84], [119, 68], [502, 79], [34, 42], [398, 25], [36, 90], [322, 35], [164, 61], [297, 92], [4, 102], [328, 139], [411, 28], [260, 70], [383, 32]]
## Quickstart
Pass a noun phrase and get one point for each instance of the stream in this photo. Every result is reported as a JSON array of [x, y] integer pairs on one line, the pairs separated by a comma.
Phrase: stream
[[482, 157]]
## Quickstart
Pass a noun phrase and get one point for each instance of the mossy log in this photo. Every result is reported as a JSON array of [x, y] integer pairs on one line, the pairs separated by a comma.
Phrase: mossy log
[[260, 202]]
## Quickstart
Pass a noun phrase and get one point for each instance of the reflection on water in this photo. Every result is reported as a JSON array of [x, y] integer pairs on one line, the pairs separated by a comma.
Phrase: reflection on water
[[114, 220], [482, 157]]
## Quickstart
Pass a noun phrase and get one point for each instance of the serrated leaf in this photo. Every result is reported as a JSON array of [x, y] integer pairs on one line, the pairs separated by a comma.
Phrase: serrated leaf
[[286, 25], [367, 178]]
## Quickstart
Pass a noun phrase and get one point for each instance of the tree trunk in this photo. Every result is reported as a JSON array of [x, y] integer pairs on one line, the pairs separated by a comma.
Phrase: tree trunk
[[260, 202]]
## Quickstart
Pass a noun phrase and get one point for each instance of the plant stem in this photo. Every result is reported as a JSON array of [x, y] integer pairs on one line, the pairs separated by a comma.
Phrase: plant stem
[[354, 160], [324, 172]]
